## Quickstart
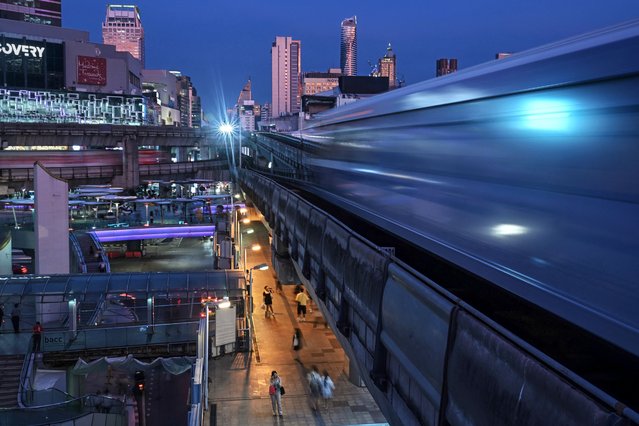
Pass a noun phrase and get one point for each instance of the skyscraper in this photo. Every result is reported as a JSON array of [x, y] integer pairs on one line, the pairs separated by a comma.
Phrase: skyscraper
[[246, 108], [348, 46], [122, 28], [47, 12], [387, 67], [446, 66], [286, 64]]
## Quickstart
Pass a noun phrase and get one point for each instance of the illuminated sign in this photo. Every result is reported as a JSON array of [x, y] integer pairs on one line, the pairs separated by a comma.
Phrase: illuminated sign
[[19, 49], [54, 341], [92, 70]]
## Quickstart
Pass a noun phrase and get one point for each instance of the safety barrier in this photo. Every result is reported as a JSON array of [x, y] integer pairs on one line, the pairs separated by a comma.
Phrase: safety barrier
[[427, 357]]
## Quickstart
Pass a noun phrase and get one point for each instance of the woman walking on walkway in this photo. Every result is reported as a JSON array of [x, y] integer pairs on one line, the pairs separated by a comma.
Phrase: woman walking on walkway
[[275, 392], [268, 301], [315, 383], [327, 388]]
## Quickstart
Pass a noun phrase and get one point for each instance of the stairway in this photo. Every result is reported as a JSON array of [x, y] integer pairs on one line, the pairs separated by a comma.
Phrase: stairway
[[87, 246], [10, 368]]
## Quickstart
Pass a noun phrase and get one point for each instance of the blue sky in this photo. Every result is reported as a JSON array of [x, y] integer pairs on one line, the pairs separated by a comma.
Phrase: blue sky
[[221, 43]]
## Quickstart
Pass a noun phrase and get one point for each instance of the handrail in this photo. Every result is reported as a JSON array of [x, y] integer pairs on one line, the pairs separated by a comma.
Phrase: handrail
[[98, 311], [75, 244], [103, 256], [26, 377]]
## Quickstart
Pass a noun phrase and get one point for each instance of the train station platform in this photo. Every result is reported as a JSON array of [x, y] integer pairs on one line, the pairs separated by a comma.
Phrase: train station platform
[[238, 387]]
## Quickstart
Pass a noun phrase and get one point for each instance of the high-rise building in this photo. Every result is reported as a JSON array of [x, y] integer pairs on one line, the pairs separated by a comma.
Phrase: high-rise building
[[348, 46], [387, 67], [246, 108], [286, 65], [316, 82], [122, 28], [446, 66], [265, 112], [188, 102], [46, 12]]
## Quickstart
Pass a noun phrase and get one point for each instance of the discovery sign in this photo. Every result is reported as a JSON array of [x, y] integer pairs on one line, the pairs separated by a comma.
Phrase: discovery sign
[[21, 49]]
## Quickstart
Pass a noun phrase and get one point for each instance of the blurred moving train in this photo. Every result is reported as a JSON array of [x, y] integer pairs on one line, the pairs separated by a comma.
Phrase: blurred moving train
[[83, 158], [524, 171]]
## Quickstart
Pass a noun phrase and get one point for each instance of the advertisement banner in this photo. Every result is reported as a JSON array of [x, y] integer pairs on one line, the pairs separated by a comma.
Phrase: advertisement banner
[[92, 71]]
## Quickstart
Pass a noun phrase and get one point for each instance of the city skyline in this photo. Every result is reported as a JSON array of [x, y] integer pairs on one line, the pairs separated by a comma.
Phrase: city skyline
[[195, 41]]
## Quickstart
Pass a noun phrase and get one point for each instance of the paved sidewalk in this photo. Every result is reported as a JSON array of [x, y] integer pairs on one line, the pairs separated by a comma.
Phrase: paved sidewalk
[[238, 392]]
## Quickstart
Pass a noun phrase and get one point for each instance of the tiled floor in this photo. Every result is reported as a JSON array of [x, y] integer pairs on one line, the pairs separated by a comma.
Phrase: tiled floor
[[239, 386]]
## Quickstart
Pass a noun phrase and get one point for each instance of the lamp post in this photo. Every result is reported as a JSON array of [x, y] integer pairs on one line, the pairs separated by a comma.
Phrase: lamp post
[[260, 267], [227, 129]]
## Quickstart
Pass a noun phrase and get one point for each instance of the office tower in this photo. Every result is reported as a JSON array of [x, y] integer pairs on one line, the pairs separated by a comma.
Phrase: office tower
[[348, 46], [246, 108], [446, 66], [387, 67], [196, 109], [265, 112], [188, 102], [317, 82], [47, 12], [122, 28], [286, 63], [246, 93], [502, 55]]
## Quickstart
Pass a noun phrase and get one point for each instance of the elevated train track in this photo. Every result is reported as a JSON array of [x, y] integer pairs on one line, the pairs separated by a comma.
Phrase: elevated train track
[[512, 185]]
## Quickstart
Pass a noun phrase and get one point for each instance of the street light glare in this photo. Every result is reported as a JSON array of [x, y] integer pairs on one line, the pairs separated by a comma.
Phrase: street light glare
[[226, 128]]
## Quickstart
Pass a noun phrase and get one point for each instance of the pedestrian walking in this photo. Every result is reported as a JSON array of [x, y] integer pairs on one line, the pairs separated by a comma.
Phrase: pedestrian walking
[[275, 391], [37, 336], [15, 318], [102, 267], [315, 383], [327, 388], [268, 301], [301, 300]]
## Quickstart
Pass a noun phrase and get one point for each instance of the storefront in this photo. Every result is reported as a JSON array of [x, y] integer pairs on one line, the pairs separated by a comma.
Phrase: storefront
[[31, 64]]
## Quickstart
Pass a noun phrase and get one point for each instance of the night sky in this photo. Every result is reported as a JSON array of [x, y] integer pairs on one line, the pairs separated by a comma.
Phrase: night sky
[[220, 44]]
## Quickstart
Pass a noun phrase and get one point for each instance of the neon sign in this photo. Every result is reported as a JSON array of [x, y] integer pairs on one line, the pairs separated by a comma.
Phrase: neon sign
[[17, 49]]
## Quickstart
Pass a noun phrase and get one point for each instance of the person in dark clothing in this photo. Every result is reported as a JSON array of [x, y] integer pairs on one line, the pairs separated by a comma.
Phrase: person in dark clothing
[[37, 336], [268, 301], [15, 318]]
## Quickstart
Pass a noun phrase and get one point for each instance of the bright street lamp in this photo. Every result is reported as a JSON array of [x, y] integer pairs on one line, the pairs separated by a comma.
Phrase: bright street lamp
[[260, 267], [228, 129]]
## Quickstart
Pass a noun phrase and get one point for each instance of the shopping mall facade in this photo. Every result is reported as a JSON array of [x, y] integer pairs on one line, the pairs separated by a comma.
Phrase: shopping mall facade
[[53, 74]]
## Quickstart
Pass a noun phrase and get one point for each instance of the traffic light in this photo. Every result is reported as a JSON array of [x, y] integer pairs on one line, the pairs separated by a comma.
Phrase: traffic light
[[139, 382]]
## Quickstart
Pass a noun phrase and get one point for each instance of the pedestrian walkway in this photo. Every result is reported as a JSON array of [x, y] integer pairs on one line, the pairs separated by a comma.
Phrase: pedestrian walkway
[[238, 392]]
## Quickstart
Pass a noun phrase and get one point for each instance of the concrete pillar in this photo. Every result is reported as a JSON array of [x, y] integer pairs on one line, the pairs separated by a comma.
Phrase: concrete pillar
[[51, 223], [182, 153], [130, 163]]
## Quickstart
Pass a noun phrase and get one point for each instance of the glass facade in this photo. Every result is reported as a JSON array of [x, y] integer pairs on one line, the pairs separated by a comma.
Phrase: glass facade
[[31, 64], [71, 107], [45, 12], [123, 29], [348, 47]]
